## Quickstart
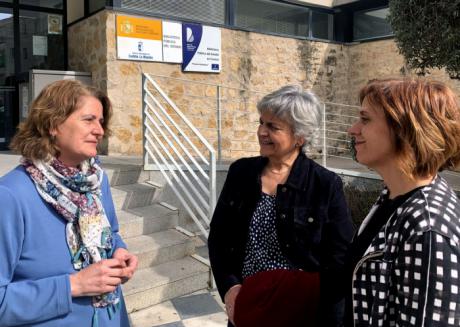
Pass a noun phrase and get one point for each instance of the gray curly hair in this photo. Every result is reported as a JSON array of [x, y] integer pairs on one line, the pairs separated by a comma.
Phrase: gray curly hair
[[300, 108]]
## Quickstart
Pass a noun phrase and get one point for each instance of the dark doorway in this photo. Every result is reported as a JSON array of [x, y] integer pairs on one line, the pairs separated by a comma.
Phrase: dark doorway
[[33, 35]]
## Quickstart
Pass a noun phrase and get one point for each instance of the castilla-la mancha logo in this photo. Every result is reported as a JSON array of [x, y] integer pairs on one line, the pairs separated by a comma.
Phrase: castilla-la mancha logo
[[126, 27]]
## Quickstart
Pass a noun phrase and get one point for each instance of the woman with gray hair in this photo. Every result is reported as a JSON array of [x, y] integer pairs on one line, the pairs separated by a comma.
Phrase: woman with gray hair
[[281, 226]]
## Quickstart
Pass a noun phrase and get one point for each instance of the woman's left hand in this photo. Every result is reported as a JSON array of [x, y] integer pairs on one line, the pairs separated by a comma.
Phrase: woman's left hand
[[230, 299], [130, 262]]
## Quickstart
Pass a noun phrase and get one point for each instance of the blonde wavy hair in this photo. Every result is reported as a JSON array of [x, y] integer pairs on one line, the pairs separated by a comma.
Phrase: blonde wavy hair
[[424, 117], [55, 103]]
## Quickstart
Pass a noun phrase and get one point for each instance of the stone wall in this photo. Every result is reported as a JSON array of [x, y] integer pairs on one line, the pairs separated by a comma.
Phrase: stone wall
[[88, 48], [254, 62], [381, 59], [257, 62]]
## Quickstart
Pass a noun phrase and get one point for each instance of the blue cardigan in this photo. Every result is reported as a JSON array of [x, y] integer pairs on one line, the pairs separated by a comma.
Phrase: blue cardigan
[[35, 262]]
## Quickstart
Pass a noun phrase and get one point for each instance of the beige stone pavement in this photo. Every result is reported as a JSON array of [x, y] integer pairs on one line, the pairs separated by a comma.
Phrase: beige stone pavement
[[200, 309]]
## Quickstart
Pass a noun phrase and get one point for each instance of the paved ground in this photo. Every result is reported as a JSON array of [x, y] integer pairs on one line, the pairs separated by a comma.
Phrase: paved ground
[[201, 309], [7, 162]]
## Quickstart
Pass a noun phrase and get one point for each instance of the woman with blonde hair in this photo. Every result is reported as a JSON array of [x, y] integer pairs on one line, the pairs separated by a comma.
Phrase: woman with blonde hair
[[405, 256], [62, 258]]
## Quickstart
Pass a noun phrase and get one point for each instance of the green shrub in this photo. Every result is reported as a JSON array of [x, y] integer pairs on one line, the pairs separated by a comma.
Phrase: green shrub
[[360, 201]]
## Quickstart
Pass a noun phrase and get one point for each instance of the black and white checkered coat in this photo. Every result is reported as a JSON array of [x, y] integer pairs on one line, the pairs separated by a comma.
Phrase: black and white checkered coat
[[409, 276]]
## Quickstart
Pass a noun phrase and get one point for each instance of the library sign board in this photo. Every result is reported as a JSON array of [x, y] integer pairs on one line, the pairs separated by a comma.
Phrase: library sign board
[[197, 47], [201, 48]]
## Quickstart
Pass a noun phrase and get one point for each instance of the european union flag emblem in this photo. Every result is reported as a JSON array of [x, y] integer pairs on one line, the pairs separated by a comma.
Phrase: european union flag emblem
[[215, 66]]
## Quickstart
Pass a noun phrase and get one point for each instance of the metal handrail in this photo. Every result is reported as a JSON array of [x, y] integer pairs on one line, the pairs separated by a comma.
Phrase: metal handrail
[[182, 151], [189, 171], [220, 105]]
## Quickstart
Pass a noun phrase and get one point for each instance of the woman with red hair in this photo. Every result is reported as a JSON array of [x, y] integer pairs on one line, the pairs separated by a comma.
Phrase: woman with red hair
[[405, 255]]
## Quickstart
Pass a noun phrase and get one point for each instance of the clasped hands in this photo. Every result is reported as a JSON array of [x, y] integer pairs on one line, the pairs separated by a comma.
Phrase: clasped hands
[[105, 275]]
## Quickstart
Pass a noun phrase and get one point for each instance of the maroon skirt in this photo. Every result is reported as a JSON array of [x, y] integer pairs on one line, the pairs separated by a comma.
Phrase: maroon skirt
[[278, 298]]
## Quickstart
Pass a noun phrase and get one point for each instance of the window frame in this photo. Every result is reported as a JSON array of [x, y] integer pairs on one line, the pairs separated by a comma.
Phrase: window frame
[[372, 38]]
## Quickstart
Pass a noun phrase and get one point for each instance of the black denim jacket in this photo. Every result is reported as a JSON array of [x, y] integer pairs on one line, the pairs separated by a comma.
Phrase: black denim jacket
[[312, 221]]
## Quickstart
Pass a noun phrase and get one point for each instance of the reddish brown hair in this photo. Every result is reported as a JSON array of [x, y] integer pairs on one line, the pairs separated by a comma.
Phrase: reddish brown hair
[[424, 118], [55, 103]]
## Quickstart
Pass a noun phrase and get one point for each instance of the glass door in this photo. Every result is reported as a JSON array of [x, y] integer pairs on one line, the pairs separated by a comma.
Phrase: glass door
[[32, 36], [42, 40], [7, 94], [7, 75]]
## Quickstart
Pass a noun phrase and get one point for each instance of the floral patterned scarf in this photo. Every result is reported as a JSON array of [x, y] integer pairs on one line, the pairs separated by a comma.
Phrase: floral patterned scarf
[[75, 193]]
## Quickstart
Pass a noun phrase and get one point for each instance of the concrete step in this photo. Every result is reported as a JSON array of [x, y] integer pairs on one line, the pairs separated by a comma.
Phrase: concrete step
[[146, 220], [133, 195], [124, 174], [153, 285], [160, 247]]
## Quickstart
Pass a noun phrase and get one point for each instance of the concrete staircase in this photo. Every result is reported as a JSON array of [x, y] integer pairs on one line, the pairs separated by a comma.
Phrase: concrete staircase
[[168, 266]]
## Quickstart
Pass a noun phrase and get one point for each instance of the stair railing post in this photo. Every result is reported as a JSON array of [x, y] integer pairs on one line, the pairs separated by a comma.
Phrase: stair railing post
[[212, 202], [144, 108], [219, 124], [324, 136]]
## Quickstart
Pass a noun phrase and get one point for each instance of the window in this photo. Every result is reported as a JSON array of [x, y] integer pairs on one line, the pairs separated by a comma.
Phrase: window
[[371, 24], [265, 16], [6, 74], [55, 4], [75, 10], [6, 45], [353, 21], [212, 11], [6, 108], [42, 40], [95, 5], [322, 25]]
